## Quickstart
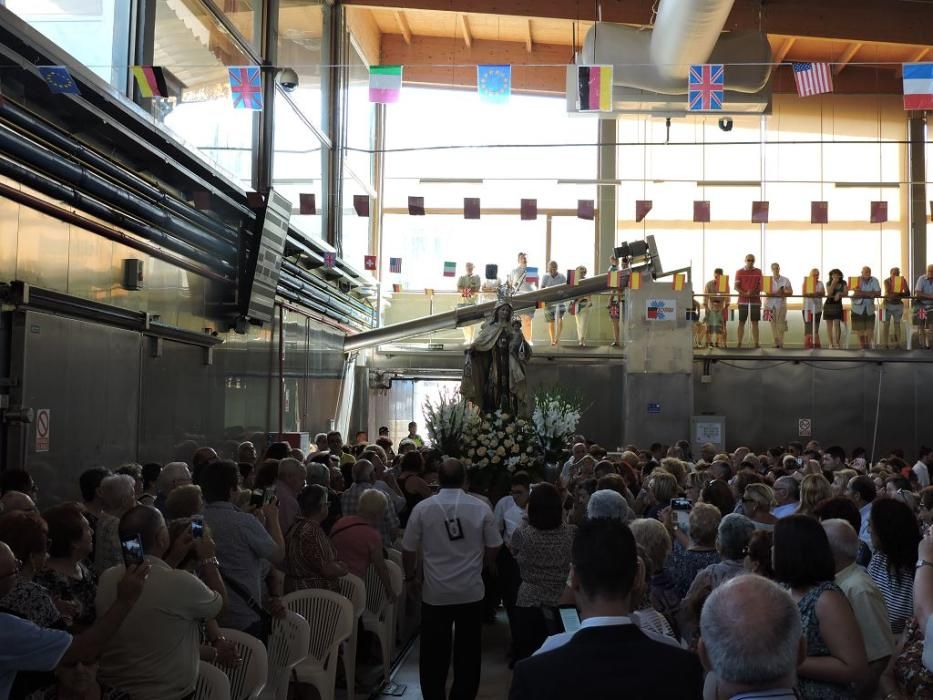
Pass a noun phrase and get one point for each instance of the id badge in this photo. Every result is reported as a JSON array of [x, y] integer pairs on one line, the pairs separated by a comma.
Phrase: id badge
[[454, 529]]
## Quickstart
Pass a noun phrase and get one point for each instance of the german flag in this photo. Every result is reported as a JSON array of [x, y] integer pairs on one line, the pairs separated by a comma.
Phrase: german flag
[[680, 279], [634, 282], [723, 284], [151, 81]]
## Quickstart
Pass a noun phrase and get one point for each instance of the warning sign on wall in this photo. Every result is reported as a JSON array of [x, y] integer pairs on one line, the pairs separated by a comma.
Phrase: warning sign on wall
[[805, 427], [43, 416]]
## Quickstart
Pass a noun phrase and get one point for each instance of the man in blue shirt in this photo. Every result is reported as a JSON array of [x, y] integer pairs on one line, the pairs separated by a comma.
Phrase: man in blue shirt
[[923, 290], [25, 646], [863, 307]]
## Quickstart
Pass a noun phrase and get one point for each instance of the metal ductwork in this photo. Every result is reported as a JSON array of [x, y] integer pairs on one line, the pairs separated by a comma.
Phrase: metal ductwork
[[685, 32]]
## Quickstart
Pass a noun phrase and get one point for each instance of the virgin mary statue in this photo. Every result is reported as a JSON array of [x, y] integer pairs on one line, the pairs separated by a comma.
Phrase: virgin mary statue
[[494, 365]]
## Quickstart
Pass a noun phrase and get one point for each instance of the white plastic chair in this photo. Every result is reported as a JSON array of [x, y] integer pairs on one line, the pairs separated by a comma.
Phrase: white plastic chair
[[330, 617], [379, 618], [353, 588], [247, 678], [399, 610], [288, 645], [213, 683]]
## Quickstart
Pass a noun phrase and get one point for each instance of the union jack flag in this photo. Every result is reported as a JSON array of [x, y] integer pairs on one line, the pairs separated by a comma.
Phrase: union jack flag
[[395, 265], [246, 87], [330, 259], [705, 87]]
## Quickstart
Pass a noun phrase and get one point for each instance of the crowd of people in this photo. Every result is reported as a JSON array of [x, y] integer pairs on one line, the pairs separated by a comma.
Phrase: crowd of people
[[821, 305], [797, 572]]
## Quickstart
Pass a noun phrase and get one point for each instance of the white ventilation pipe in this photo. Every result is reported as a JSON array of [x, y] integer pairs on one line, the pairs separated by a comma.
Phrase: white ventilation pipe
[[685, 32]]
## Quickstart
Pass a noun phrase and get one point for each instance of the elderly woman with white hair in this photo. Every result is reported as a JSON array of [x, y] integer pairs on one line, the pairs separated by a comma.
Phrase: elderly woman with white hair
[[695, 548], [173, 474], [607, 503], [118, 493]]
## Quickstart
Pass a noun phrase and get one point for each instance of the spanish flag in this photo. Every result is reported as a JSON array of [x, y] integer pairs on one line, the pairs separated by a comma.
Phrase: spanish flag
[[809, 285], [767, 284], [899, 285], [634, 282], [854, 282], [151, 81], [723, 284], [680, 279]]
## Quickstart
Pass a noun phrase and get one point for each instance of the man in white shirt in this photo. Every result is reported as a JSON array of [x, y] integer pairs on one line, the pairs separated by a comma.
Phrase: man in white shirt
[[508, 514], [518, 281], [776, 304], [577, 454], [786, 492], [164, 662], [866, 600], [468, 287], [922, 467], [554, 313], [456, 534]]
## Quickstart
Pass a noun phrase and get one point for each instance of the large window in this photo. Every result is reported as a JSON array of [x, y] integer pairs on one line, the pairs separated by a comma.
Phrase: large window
[[95, 32]]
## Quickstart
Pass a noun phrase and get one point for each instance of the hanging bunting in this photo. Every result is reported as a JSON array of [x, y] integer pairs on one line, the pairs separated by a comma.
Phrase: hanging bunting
[[614, 279], [642, 207], [723, 287], [854, 283], [471, 209], [634, 281], [529, 210], [306, 204], [680, 279], [594, 88], [59, 80], [918, 86], [254, 200], [151, 81], [879, 212], [586, 209], [705, 87], [395, 266], [396, 288], [361, 204], [531, 275], [819, 212], [330, 260], [494, 83], [760, 212], [450, 269], [701, 211], [369, 262], [416, 206], [813, 78], [428, 292], [202, 200], [385, 84], [246, 87]]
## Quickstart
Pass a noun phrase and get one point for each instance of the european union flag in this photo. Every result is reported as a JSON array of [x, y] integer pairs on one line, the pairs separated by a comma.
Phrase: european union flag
[[494, 83], [59, 80]]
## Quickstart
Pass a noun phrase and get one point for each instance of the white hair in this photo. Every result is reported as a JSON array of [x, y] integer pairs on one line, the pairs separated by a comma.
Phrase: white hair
[[118, 491], [843, 540], [290, 466], [607, 503], [170, 473], [764, 656], [735, 530]]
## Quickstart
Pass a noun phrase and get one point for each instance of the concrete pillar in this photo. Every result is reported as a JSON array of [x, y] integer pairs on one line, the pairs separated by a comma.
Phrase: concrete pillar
[[916, 130], [606, 195]]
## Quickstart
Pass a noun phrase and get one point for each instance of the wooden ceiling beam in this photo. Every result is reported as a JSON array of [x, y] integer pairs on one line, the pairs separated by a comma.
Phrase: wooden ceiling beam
[[844, 20], [846, 56], [529, 38], [465, 30], [920, 55], [403, 27], [785, 49]]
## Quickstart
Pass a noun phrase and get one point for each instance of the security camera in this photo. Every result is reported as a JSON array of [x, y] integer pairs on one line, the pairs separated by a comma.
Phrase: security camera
[[725, 124], [288, 79]]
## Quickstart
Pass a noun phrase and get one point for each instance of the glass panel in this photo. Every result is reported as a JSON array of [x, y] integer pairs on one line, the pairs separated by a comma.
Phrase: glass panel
[[245, 16], [361, 115], [573, 242], [355, 228], [197, 51], [297, 167], [95, 32], [301, 48]]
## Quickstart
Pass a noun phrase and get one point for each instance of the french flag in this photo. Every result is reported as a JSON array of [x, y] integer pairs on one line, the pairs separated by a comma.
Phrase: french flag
[[918, 86]]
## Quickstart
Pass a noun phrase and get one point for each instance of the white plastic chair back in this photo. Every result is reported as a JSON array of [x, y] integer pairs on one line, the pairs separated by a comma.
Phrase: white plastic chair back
[[330, 617], [355, 591], [288, 645], [247, 678], [212, 683], [401, 610], [379, 616]]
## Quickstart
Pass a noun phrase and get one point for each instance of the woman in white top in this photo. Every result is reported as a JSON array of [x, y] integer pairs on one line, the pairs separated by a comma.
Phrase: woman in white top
[[518, 281], [582, 308], [813, 311]]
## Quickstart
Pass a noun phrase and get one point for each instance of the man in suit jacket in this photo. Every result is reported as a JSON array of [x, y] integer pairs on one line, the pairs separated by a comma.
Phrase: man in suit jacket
[[608, 657]]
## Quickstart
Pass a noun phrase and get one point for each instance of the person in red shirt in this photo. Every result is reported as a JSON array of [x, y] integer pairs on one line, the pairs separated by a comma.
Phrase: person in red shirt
[[748, 285]]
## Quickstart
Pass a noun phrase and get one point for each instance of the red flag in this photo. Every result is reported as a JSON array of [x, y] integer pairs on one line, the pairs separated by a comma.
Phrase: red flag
[[819, 212], [759, 212], [701, 211], [369, 262], [572, 278], [202, 200], [306, 204], [471, 208], [586, 209], [642, 207], [879, 212], [529, 209], [361, 205], [416, 206]]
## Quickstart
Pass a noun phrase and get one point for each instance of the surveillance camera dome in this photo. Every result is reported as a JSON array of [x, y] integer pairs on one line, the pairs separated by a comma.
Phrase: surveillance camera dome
[[288, 79], [725, 124]]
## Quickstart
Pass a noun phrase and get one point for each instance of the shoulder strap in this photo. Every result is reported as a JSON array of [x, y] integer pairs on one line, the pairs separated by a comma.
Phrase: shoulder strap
[[337, 529], [242, 593]]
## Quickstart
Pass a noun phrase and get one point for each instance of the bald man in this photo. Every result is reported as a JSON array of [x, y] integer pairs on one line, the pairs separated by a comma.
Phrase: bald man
[[16, 500], [27, 647], [865, 598]]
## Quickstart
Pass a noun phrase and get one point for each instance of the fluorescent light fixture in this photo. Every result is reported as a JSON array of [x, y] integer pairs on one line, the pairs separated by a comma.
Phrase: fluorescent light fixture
[[728, 183], [589, 182], [451, 181], [870, 185]]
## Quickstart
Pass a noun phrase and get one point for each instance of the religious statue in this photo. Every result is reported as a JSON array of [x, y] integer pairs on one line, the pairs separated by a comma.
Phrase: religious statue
[[494, 365]]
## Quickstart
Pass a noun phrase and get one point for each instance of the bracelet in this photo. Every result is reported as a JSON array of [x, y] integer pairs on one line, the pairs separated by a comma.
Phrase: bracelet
[[211, 560], [923, 562]]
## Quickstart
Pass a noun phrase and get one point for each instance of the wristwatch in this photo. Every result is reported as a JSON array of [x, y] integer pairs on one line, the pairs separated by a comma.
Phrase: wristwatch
[[923, 562]]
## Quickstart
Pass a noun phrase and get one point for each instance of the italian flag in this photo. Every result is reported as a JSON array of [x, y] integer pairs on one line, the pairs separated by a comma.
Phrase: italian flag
[[385, 84]]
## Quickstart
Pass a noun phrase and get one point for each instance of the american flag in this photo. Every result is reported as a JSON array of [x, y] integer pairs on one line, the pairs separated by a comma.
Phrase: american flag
[[395, 265], [246, 87], [813, 78], [705, 87]]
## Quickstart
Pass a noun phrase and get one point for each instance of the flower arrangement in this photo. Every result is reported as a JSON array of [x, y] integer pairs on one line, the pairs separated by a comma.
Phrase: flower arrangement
[[554, 420], [448, 420], [500, 441]]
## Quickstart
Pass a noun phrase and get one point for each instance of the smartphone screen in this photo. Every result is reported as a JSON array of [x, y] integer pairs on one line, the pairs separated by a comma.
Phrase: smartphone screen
[[197, 528], [133, 551], [682, 520], [256, 499], [570, 618], [268, 495]]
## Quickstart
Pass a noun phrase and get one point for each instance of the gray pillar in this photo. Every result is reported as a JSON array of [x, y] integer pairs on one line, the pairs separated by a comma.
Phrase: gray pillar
[[916, 130], [264, 120], [606, 194]]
